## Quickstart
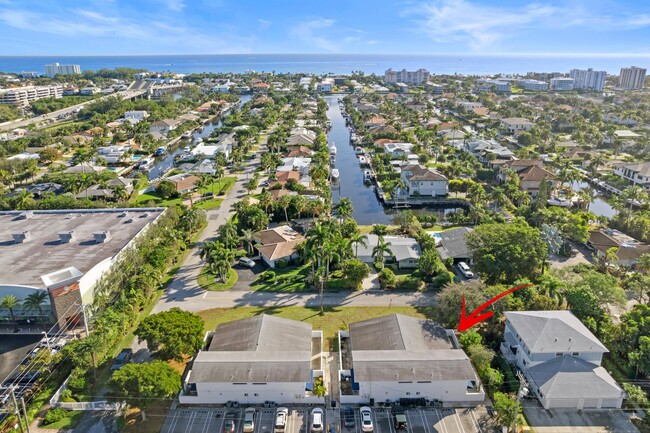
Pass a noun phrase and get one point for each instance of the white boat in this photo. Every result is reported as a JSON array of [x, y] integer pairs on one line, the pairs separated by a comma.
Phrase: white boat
[[358, 150], [335, 174], [367, 175], [145, 163], [187, 149], [559, 201], [362, 160], [333, 150], [187, 134]]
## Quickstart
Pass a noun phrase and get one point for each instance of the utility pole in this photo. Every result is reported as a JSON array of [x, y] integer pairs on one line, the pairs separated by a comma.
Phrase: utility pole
[[17, 409]]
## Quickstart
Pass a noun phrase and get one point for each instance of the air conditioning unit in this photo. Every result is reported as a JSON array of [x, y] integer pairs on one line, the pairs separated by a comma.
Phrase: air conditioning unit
[[21, 237], [101, 237], [66, 237]]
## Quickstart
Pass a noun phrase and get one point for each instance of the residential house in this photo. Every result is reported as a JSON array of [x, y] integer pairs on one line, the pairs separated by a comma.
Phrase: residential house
[[531, 174], [303, 131], [39, 189], [628, 249], [283, 176], [326, 85], [107, 192], [84, 167], [637, 173], [516, 125], [561, 360], [452, 244], [382, 130], [488, 151], [298, 164], [261, 87], [423, 181], [404, 251], [136, 115], [375, 121], [210, 150], [300, 140], [164, 126], [367, 108], [398, 150], [182, 182], [256, 360], [299, 151], [277, 244], [402, 357]]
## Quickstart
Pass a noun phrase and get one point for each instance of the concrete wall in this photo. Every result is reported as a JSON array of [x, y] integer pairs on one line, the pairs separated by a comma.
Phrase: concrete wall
[[281, 393], [447, 391]]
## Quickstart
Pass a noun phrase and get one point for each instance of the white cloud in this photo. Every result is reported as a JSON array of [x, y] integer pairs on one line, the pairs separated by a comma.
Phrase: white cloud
[[175, 5], [263, 23], [477, 25], [311, 33]]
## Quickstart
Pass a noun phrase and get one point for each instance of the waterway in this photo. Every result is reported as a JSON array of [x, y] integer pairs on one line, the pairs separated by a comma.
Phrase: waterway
[[598, 206], [368, 209], [164, 163]]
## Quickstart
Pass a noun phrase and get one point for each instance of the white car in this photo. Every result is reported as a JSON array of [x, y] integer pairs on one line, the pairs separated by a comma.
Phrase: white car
[[366, 419], [465, 270], [245, 261], [317, 420], [249, 420], [281, 415]]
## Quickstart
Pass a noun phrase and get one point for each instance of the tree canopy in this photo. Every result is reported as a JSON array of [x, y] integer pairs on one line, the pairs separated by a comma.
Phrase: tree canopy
[[140, 384], [171, 334]]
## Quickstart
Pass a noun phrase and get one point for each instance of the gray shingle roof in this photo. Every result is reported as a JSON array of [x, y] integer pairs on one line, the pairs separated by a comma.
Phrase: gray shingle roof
[[553, 331], [570, 377], [258, 349], [402, 248], [454, 243], [404, 348]]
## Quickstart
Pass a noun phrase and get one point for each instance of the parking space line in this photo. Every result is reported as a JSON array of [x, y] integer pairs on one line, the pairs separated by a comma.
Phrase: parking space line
[[458, 421], [442, 420], [190, 421], [424, 421], [478, 427], [173, 422], [222, 419]]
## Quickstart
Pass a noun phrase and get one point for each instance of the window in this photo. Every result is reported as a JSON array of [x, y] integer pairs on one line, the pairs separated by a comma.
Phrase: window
[[256, 394], [559, 353], [239, 383], [405, 381], [575, 354], [245, 394], [424, 381], [408, 393], [417, 393]]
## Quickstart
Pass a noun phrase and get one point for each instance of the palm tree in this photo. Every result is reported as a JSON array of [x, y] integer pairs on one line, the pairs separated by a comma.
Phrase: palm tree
[[218, 173], [380, 250], [498, 196], [22, 200], [249, 238], [34, 301], [357, 239], [10, 302], [285, 202], [299, 204], [343, 208], [379, 230], [228, 234], [119, 192], [265, 200], [634, 195]]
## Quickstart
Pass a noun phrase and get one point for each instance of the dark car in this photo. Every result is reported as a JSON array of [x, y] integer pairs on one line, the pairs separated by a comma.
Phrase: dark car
[[122, 359], [348, 417]]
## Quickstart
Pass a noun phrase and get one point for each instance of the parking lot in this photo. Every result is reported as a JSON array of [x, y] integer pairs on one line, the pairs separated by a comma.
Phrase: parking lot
[[421, 420]]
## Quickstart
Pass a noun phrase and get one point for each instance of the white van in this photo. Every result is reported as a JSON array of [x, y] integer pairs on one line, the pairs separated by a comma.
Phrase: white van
[[317, 420], [465, 270]]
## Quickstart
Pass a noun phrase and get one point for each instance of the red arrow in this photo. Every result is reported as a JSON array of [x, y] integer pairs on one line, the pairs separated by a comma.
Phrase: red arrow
[[467, 322]]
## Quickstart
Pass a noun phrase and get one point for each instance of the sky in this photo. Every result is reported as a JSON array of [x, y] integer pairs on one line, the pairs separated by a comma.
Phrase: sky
[[132, 27]]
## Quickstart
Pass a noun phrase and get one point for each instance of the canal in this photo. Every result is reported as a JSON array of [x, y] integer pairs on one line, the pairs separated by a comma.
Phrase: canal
[[368, 209], [598, 205], [165, 163]]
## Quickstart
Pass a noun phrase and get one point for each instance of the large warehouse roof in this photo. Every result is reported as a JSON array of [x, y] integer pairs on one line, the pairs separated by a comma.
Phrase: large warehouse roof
[[43, 252]]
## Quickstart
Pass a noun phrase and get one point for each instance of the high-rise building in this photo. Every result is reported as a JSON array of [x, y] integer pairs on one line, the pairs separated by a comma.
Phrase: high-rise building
[[562, 84], [56, 69], [416, 78], [588, 79], [632, 78]]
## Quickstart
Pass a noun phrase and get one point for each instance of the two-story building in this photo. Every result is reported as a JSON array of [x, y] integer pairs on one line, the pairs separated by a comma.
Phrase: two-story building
[[531, 173], [516, 125], [560, 359], [424, 181], [638, 173]]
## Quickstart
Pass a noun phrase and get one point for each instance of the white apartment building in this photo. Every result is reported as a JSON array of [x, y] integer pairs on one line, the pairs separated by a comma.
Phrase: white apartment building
[[136, 114], [57, 69], [638, 173], [562, 84], [534, 85], [326, 85], [492, 85], [22, 96], [588, 79], [632, 78], [416, 78]]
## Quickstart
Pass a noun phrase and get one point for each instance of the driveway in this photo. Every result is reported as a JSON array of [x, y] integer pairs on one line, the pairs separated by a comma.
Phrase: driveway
[[246, 276], [583, 255], [573, 421]]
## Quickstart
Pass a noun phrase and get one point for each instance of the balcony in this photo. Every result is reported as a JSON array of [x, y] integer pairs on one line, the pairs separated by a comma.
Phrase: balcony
[[509, 352]]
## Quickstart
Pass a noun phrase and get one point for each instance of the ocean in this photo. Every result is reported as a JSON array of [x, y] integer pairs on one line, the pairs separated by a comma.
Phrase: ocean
[[333, 63]]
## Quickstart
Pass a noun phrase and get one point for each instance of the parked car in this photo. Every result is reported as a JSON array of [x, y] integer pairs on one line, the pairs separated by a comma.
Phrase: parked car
[[348, 417], [281, 415], [317, 420], [465, 270], [366, 419], [230, 425], [123, 358], [245, 261], [249, 420], [400, 420]]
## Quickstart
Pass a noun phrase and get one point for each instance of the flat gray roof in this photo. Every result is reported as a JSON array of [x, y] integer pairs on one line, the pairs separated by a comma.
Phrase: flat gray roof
[[25, 263]]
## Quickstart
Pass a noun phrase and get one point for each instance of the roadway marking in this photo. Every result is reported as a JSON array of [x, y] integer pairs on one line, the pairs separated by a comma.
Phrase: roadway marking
[[458, 421], [442, 420], [190, 421], [478, 427], [204, 295], [424, 421]]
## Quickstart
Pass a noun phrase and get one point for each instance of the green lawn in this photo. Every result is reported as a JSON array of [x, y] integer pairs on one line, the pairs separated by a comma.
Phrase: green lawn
[[209, 203], [69, 422], [331, 321], [286, 280], [207, 281], [220, 187], [159, 201]]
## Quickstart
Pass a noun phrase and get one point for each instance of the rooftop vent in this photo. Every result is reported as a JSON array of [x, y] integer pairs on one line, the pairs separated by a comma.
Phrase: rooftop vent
[[123, 214], [101, 237], [128, 220], [21, 237], [66, 237], [28, 214]]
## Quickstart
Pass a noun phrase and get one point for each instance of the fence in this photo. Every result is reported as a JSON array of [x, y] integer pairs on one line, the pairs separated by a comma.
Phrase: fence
[[83, 405]]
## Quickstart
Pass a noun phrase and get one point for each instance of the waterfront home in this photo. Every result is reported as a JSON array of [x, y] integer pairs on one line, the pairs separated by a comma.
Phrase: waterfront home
[[277, 244], [531, 173], [84, 167], [404, 251], [423, 181], [303, 131], [398, 357], [453, 245], [107, 192], [298, 164], [182, 182], [516, 125], [300, 139], [398, 150], [299, 151], [627, 249], [283, 176], [637, 173], [367, 108], [375, 121], [488, 150], [204, 150], [561, 360], [165, 126], [326, 85], [137, 115], [382, 130]]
